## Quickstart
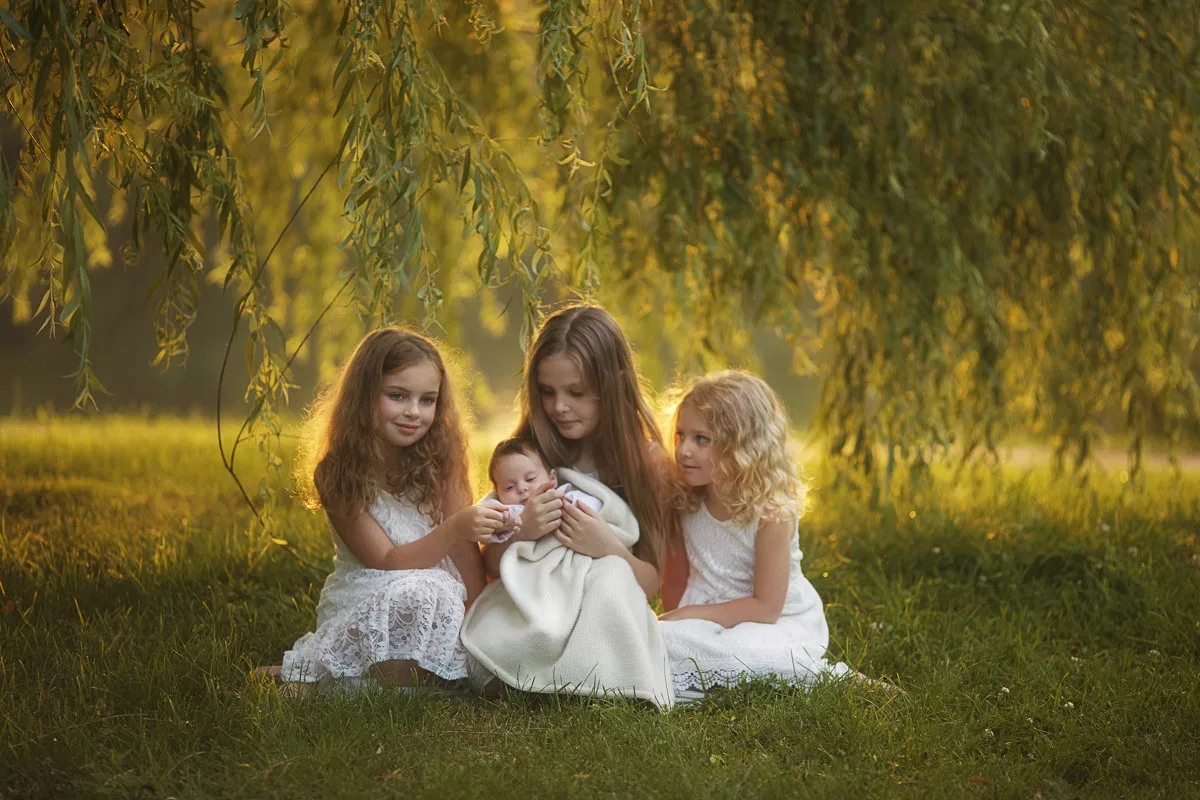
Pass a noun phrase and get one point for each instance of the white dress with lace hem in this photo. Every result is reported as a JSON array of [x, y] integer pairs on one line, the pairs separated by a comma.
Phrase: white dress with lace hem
[[703, 654], [367, 616]]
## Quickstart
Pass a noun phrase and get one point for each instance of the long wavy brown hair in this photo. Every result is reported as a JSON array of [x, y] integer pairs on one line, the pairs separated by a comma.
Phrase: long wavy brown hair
[[348, 454], [756, 468], [628, 446]]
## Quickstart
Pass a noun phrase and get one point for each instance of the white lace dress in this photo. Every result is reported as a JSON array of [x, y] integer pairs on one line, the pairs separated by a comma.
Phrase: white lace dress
[[704, 654], [371, 615]]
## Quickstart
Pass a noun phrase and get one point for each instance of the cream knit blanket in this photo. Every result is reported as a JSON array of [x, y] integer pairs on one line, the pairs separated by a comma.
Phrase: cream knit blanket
[[559, 621]]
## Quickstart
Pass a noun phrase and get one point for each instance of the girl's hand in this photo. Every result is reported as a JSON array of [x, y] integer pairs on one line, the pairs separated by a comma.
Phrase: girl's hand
[[586, 532], [479, 523], [543, 513]]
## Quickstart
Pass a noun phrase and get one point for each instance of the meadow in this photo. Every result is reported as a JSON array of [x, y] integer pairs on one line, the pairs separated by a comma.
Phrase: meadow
[[1045, 631]]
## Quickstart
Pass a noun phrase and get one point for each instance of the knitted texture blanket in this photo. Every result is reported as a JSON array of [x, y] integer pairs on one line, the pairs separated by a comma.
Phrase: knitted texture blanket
[[559, 621]]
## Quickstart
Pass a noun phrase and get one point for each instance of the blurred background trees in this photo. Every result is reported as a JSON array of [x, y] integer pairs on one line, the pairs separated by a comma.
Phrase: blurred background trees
[[963, 218]]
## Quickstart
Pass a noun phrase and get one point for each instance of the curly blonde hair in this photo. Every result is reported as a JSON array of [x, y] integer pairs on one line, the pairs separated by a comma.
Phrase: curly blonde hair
[[345, 456], [756, 465]]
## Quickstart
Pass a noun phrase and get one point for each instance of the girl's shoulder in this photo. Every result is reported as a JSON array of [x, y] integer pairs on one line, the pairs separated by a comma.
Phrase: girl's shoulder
[[776, 516]]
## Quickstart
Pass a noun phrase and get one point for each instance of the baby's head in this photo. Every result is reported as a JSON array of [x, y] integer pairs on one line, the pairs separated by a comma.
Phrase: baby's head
[[516, 469]]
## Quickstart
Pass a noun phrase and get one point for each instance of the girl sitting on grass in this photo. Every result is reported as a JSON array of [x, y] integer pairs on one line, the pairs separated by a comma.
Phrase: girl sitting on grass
[[747, 610], [391, 475], [569, 613]]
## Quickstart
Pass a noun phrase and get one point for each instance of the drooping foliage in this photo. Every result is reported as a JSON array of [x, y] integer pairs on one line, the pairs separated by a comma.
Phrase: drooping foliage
[[967, 216], [972, 215]]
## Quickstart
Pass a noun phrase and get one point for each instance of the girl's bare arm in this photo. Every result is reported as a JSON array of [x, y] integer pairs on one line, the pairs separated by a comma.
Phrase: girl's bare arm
[[772, 569], [675, 574], [367, 540]]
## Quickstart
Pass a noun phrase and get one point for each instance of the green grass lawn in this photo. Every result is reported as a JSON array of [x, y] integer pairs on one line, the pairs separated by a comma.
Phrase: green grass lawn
[[1046, 635]]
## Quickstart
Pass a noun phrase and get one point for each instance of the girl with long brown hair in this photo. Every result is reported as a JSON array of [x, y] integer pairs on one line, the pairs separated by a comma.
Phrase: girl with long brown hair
[[583, 405], [582, 402], [391, 475]]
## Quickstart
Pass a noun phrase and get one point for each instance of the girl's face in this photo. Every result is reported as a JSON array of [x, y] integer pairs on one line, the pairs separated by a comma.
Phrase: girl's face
[[694, 447], [407, 403], [567, 399]]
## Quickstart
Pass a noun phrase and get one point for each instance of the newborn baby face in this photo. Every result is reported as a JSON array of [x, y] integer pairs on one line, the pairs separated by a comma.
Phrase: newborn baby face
[[517, 475]]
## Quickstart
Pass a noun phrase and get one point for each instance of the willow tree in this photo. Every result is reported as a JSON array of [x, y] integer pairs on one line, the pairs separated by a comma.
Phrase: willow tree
[[965, 215], [968, 216]]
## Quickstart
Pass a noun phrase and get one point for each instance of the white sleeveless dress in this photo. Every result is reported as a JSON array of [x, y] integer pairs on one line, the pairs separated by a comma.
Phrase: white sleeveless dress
[[371, 615], [704, 654]]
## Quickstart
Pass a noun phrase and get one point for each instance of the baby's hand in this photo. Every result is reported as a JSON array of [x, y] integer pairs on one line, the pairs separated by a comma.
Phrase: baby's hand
[[512, 519], [512, 525]]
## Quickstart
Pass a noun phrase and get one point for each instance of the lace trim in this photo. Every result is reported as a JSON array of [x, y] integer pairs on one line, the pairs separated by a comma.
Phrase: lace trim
[[728, 676], [417, 617]]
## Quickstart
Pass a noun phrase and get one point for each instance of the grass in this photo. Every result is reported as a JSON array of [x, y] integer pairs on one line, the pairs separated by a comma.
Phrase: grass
[[1047, 637]]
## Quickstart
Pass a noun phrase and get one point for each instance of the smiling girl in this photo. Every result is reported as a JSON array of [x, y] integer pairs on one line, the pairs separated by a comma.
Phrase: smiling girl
[[392, 478]]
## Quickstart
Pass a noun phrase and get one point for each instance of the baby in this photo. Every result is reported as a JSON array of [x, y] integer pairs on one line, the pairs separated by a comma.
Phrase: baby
[[517, 468]]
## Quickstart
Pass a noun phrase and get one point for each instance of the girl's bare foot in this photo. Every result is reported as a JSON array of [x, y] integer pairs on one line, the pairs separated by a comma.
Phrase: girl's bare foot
[[271, 672], [492, 690], [403, 672]]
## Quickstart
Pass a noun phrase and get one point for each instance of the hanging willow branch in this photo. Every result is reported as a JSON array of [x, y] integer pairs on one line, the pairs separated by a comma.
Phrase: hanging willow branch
[[970, 218]]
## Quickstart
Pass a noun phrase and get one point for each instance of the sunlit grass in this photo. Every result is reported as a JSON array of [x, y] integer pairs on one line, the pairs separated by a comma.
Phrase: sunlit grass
[[1046, 633]]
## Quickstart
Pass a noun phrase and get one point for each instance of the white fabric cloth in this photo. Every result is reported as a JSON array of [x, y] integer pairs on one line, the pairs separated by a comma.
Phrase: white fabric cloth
[[559, 621], [704, 654], [513, 511], [370, 615]]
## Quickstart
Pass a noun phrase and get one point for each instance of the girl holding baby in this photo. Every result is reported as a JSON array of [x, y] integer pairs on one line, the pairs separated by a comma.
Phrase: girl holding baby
[[569, 613]]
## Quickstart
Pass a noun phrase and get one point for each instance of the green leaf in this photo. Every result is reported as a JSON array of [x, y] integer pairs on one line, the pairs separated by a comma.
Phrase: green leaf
[[249, 353], [11, 23], [466, 171]]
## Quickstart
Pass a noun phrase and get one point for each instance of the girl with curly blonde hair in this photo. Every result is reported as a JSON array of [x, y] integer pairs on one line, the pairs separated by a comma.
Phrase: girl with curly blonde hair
[[746, 609], [391, 475]]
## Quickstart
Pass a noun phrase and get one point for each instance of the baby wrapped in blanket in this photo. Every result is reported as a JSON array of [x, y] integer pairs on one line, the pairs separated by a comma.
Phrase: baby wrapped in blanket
[[517, 469], [560, 621]]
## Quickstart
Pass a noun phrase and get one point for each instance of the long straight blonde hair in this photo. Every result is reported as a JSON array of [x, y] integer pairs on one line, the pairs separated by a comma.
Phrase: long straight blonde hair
[[629, 449]]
